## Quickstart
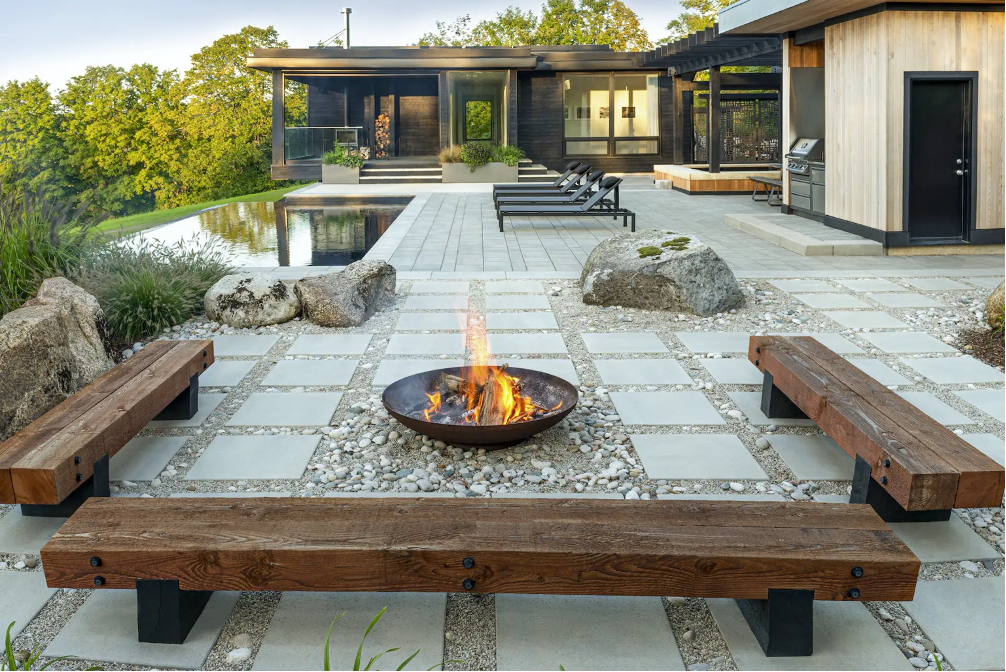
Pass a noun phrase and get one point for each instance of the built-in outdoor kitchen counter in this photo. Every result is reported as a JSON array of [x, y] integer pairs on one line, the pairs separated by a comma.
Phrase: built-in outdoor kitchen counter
[[805, 172]]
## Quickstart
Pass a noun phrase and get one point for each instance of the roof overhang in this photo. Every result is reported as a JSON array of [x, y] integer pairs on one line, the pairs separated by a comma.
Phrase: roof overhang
[[563, 58], [782, 16]]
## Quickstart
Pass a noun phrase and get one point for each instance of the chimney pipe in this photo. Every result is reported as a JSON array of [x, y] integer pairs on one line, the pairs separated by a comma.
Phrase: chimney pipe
[[346, 11]]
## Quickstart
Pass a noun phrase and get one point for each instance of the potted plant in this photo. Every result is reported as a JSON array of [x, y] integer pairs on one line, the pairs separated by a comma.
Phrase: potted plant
[[478, 162], [341, 166]]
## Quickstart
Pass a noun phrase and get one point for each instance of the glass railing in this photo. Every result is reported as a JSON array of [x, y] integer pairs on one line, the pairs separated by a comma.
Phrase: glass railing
[[311, 142]]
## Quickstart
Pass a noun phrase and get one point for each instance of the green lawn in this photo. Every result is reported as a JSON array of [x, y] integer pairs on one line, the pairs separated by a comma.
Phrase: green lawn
[[147, 219]]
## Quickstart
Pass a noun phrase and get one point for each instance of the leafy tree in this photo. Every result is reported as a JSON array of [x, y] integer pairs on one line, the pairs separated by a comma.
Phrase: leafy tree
[[511, 28], [225, 121], [698, 15], [29, 147], [105, 112], [612, 22], [561, 22], [456, 34]]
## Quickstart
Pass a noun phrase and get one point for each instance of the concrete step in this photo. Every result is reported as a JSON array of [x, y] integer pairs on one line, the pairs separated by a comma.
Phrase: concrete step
[[399, 179], [535, 172], [383, 173], [805, 236]]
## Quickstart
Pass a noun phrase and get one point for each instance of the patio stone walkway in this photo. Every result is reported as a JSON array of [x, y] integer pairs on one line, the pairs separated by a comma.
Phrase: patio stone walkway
[[680, 397]]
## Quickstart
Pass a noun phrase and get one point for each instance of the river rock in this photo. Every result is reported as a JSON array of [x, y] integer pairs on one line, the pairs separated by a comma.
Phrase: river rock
[[350, 297], [51, 347], [250, 300], [659, 270], [994, 307]]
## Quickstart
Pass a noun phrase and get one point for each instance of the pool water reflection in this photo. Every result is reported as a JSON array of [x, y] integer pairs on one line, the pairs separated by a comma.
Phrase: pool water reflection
[[278, 234]]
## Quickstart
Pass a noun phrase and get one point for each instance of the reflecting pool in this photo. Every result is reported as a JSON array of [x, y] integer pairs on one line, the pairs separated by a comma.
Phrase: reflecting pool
[[329, 233]]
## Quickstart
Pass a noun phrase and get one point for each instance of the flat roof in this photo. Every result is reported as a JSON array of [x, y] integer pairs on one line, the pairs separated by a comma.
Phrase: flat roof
[[781, 16], [537, 57]]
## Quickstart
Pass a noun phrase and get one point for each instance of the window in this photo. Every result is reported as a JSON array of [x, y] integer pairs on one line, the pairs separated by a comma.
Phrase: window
[[478, 120], [611, 114], [637, 100]]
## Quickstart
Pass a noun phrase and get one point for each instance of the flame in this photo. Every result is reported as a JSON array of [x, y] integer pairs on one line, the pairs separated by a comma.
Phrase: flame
[[434, 406], [482, 375]]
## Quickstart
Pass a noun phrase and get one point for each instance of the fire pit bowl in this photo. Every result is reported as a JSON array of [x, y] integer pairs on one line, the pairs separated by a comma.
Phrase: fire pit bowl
[[406, 398]]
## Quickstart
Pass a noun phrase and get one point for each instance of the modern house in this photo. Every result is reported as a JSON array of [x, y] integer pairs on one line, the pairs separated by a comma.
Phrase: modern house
[[619, 111], [901, 106]]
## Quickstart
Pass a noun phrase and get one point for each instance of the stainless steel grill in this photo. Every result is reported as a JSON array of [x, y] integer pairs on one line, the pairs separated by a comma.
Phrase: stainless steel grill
[[805, 171]]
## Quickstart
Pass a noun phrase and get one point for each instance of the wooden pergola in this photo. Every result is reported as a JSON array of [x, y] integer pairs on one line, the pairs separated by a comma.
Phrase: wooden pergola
[[708, 50]]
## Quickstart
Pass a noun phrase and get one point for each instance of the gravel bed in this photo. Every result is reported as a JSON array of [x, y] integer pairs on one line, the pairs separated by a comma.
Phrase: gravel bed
[[363, 450]]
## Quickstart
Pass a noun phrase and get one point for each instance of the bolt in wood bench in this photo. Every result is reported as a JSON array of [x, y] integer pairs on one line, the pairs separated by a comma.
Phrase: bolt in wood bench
[[909, 467], [61, 458], [776, 558]]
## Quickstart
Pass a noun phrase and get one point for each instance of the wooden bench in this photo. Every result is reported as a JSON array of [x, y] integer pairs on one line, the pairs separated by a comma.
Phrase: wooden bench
[[908, 466], [770, 185], [61, 458], [775, 557]]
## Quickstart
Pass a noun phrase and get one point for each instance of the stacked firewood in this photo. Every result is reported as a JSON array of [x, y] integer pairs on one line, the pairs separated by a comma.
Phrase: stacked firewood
[[382, 137]]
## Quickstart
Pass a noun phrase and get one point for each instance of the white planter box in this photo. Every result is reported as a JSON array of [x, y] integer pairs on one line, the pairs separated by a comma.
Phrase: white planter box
[[332, 174], [493, 173]]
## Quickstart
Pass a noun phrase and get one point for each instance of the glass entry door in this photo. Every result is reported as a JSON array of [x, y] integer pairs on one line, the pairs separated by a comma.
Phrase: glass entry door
[[478, 107]]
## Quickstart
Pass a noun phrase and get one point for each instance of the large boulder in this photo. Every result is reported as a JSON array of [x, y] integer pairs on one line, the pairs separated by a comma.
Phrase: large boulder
[[350, 297], [51, 347], [994, 307], [659, 270], [250, 300]]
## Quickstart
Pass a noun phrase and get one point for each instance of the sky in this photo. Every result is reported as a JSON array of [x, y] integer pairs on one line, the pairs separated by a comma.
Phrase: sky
[[60, 41]]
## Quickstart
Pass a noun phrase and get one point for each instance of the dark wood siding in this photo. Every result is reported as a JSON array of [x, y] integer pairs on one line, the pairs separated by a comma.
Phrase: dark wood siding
[[539, 117], [418, 116], [325, 105]]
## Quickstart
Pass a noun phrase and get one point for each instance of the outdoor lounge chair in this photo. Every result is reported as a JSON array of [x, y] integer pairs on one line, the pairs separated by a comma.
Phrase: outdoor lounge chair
[[558, 183], [529, 190], [582, 193], [592, 207]]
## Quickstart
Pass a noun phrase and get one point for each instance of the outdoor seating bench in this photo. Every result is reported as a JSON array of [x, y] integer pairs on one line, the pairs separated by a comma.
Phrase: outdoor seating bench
[[909, 467], [60, 459], [771, 187], [776, 558]]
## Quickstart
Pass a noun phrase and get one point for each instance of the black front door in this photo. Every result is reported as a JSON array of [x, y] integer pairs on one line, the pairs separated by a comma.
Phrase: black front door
[[938, 170]]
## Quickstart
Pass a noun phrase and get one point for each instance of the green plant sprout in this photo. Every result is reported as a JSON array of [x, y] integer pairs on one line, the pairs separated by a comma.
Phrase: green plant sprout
[[9, 661], [359, 650]]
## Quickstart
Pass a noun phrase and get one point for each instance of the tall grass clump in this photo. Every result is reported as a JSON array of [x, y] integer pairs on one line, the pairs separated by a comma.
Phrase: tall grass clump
[[39, 237], [145, 286]]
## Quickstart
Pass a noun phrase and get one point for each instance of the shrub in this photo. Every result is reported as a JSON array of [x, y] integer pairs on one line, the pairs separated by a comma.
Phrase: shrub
[[145, 287], [476, 154], [39, 237], [450, 154], [342, 156], [508, 154]]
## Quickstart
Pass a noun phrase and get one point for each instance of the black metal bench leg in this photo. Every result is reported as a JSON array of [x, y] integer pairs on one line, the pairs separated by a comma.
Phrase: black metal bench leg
[[775, 404], [866, 490], [185, 405], [96, 486], [164, 613], [784, 623], [500, 217]]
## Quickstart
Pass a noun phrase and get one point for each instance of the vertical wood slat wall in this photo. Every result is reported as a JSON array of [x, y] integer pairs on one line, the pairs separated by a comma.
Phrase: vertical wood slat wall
[[865, 64]]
